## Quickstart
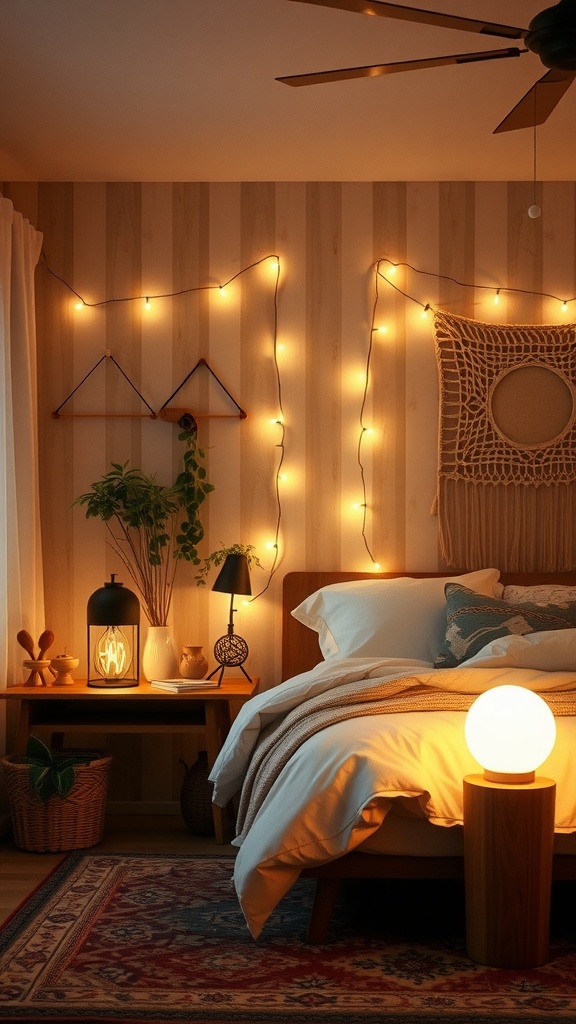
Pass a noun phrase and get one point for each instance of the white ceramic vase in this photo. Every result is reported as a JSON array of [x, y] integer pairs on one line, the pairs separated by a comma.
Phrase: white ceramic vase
[[159, 657]]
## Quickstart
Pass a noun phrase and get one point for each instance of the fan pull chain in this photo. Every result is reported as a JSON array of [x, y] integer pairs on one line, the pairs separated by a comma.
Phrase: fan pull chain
[[534, 211]]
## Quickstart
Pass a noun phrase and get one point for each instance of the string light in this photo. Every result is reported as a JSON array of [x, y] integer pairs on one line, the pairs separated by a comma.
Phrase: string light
[[281, 443], [461, 284], [146, 299], [275, 261], [364, 430]]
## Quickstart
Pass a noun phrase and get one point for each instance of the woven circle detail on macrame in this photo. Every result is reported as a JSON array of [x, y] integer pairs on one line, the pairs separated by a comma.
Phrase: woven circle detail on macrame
[[507, 444], [532, 405]]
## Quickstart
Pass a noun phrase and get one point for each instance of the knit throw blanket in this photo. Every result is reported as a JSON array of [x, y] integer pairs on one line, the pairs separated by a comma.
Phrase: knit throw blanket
[[507, 444], [280, 740]]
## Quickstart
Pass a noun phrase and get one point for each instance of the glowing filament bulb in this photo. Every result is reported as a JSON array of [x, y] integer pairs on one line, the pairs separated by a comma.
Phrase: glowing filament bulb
[[564, 306], [497, 297], [147, 303], [112, 654]]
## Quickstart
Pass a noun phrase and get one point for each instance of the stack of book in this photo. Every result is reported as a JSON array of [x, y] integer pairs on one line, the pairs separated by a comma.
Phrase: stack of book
[[184, 685]]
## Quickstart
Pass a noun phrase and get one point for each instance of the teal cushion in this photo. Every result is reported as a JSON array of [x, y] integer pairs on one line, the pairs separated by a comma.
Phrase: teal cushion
[[472, 621]]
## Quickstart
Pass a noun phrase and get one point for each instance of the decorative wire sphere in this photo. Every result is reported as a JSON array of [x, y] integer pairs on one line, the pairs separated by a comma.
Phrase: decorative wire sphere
[[231, 650]]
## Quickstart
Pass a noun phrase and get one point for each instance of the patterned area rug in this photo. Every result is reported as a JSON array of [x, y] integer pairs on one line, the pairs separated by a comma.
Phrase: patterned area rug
[[161, 939]]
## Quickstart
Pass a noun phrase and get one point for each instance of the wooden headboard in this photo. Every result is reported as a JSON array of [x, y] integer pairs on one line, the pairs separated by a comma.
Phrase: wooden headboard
[[300, 650]]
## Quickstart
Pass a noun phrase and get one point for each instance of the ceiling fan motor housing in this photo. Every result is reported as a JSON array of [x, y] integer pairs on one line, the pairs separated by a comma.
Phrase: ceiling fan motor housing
[[552, 35]]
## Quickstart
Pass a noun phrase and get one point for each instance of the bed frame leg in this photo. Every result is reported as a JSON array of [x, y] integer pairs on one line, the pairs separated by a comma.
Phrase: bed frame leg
[[324, 899]]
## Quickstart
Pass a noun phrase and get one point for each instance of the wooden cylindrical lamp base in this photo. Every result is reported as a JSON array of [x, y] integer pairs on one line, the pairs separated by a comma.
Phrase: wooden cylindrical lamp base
[[508, 849]]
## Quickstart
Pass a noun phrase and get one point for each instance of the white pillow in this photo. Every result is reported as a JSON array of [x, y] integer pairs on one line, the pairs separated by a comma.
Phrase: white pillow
[[403, 617], [551, 651]]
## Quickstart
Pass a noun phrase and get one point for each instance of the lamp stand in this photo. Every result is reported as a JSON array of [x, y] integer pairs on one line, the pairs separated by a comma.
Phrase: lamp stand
[[230, 650], [508, 851]]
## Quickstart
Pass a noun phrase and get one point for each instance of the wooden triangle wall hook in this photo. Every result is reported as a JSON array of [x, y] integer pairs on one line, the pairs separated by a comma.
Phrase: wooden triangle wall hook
[[107, 355], [185, 417]]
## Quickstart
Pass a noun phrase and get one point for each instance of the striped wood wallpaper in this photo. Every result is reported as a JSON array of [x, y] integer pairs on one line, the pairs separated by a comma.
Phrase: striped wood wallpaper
[[119, 240]]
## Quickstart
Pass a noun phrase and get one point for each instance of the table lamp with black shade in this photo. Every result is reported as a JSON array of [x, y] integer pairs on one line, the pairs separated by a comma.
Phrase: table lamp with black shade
[[231, 650], [113, 619]]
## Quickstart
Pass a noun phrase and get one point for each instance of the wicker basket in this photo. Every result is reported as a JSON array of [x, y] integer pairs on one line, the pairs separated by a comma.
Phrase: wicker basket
[[59, 824]]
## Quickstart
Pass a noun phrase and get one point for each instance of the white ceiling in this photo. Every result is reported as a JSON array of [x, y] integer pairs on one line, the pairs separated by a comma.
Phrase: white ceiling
[[185, 90]]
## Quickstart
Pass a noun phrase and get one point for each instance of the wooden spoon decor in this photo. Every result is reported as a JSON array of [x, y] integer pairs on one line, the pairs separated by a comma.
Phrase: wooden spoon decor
[[40, 672], [45, 641], [25, 640]]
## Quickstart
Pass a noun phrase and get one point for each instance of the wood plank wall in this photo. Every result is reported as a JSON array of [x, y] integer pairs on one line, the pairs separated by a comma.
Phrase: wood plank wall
[[128, 239]]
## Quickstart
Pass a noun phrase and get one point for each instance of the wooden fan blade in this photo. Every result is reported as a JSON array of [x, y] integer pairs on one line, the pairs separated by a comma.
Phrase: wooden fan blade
[[539, 102], [422, 17], [375, 70]]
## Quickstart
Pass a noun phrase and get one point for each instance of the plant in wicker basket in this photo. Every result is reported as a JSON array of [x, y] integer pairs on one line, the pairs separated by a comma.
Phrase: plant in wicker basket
[[50, 773], [57, 799]]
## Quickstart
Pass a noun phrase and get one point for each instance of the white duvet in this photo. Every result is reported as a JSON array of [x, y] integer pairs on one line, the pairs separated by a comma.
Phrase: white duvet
[[337, 788]]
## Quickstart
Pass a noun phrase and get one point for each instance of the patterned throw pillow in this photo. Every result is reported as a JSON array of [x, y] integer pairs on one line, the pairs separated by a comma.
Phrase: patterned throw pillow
[[474, 621]]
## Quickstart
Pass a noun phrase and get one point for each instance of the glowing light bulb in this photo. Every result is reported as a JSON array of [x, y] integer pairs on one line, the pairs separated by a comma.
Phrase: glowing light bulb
[[112, 654], [147, 303], [497, 297]]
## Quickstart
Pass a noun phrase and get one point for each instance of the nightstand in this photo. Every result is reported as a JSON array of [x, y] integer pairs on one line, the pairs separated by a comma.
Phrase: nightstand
[[138, 709]]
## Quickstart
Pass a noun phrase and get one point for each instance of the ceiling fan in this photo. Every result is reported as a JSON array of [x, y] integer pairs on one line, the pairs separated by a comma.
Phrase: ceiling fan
[[551, 35]]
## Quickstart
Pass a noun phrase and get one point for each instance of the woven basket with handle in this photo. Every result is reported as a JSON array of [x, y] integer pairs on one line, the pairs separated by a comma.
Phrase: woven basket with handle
[[70, 823]]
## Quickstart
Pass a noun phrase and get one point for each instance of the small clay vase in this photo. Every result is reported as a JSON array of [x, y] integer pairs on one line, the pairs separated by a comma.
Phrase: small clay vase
[[193, 664]]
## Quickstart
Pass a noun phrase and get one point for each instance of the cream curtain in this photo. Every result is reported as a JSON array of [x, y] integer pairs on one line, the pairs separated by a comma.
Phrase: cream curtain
[[21, 577]]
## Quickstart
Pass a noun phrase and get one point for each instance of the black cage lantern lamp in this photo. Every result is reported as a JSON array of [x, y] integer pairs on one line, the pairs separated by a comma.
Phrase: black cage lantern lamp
[[113, 618], [231, 650]]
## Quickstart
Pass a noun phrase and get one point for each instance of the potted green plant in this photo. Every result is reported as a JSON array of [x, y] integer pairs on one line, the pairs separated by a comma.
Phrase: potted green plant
[[57, 799], [152, 527], [218, 557]]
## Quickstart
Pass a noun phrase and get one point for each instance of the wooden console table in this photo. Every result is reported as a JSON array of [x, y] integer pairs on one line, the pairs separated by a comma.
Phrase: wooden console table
[[137, 709]]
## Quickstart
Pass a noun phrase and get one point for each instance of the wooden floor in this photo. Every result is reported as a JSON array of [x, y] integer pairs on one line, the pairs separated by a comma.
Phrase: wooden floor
[[21, 872]]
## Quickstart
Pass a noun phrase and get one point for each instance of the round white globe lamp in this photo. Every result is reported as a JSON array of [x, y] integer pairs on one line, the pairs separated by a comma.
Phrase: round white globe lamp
[[508, 816], [510, 730]]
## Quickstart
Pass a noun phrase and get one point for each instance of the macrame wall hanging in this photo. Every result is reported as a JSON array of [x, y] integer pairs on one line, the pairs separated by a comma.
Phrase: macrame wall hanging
[[507, 445]]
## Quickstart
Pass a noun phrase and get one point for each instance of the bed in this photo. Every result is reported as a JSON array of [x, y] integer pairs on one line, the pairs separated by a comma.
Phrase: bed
[[353, 765]]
